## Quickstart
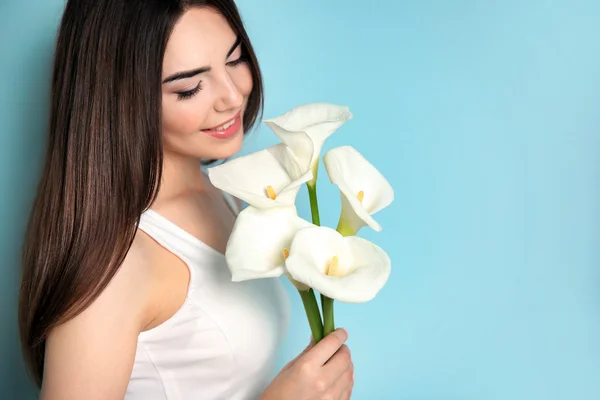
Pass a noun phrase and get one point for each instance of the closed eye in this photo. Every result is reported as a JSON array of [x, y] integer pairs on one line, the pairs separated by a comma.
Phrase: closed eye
[[240, 60], [189, 93], [237, 46]]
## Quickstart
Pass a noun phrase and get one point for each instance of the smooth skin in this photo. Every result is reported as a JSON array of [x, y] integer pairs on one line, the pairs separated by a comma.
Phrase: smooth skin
[[91, 356], [323, 371]]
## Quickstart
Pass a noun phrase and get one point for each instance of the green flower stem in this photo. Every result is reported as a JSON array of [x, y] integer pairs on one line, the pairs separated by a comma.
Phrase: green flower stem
[[344, 227], [312, 312], [327, 304], [314, 204]]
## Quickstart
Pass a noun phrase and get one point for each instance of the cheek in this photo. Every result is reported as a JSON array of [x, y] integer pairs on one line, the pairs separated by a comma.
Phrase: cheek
[[183, 117], [242, 78]]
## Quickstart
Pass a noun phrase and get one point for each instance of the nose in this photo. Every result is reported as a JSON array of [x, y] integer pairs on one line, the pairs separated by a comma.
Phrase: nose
[[228, 96]]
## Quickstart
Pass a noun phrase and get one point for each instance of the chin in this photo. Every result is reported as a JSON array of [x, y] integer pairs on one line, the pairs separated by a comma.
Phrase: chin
[[221, 149]]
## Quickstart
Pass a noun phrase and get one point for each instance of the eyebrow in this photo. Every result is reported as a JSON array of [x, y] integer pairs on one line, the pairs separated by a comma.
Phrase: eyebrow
[[197, 71]]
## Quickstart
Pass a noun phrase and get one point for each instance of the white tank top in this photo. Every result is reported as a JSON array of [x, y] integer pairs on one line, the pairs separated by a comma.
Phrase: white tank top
[[223, 341]]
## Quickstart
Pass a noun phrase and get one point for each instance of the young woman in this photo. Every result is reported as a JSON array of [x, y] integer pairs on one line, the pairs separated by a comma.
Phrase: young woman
[[125, 290]]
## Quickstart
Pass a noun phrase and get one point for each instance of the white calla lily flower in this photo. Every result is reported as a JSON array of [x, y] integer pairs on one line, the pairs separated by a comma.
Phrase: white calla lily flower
[[364, 190], [260, 242], [267, 178], [347, 269], [306, 127]]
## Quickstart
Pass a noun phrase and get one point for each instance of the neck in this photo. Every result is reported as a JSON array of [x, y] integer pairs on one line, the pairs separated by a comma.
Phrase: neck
[[181, 175]]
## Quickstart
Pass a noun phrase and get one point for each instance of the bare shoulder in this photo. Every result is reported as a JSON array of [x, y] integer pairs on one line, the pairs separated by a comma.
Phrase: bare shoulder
[[91, 356]]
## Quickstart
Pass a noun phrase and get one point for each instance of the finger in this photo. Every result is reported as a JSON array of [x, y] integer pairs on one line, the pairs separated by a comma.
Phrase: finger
[[307, 348], [339, 363], [351, 387], [310, 345], [322, 351], [346, 395], [341, 385]]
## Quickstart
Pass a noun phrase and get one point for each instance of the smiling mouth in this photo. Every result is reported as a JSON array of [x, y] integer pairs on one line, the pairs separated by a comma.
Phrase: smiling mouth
[[224, 125]]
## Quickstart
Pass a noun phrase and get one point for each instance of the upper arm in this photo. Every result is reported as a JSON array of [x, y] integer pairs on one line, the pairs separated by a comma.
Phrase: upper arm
[[91, 356]]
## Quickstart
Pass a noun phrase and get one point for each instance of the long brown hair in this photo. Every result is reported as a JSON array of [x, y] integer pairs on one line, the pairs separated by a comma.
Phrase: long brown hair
[[104, 157]]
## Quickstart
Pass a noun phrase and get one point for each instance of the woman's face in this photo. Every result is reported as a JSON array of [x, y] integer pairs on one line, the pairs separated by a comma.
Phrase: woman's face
[[205, 87]]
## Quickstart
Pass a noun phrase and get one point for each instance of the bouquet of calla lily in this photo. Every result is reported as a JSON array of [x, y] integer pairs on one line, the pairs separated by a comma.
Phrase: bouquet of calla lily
[[269, 239]]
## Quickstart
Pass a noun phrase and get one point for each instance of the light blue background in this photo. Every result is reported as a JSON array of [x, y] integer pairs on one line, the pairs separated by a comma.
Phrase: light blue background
[[484, 116]]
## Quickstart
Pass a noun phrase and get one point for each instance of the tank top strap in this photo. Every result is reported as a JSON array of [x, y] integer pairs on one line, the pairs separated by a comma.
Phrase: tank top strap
[[175, 239]]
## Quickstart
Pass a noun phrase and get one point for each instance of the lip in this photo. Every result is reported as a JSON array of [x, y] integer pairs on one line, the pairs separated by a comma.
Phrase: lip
[[226, 133], [223, 123]]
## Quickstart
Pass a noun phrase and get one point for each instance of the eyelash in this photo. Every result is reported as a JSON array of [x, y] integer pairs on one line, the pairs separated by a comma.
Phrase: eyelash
[[237, 62], [191, 93]]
